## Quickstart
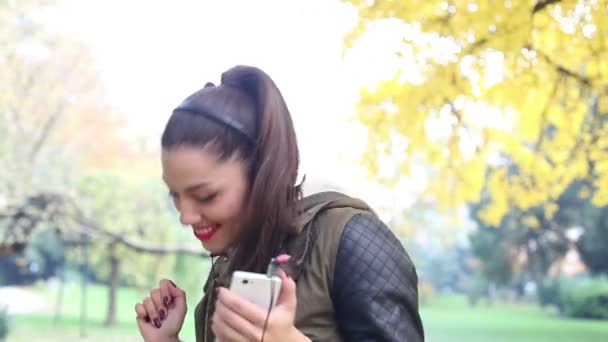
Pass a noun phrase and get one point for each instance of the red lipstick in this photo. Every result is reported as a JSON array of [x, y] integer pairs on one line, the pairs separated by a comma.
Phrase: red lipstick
[[205, 232]]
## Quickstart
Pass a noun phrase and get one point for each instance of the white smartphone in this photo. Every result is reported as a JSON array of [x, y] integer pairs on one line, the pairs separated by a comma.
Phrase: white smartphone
[[256, 288]]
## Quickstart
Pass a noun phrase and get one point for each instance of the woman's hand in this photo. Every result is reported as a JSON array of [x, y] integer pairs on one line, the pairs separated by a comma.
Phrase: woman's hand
[[160, 316], [236, 319]]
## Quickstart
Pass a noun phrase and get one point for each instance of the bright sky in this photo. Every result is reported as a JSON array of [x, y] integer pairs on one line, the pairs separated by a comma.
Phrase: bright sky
[[152, 54]]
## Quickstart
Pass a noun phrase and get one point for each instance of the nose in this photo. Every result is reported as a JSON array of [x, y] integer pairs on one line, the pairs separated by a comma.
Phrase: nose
[[188, 220], [188, 214]]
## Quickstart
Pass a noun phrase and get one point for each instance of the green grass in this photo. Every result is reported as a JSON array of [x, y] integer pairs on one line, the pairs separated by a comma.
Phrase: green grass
[[41, 326], [451, 319], [445, 319]]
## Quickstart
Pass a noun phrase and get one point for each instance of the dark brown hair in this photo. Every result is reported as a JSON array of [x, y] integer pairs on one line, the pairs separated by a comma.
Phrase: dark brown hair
[[247, 116]]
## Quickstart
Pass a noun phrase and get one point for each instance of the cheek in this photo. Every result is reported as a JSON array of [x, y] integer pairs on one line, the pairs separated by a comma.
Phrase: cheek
[[228, 208], [236, 198], [235, 204]]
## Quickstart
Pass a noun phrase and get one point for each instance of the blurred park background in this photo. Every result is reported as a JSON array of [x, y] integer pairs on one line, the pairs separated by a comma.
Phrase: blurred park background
[[478, 130]]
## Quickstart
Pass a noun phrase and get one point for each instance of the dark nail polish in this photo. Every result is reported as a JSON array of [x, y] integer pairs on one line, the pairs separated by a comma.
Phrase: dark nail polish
[[166, 301], [147, 319], [156, 323], [161, 313], [172, 283]]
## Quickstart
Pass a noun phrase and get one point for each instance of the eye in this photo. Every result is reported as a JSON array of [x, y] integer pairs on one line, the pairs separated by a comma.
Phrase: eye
[[206, 199], [174, 198]]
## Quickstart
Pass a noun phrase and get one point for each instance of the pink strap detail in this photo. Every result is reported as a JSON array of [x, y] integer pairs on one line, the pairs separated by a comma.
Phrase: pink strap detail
[[283, 258]]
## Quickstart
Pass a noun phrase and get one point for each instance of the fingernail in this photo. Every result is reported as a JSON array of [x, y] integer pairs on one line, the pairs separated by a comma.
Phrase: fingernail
[[161, 313], [147, 319], [172, 283], [156, 323], [166, 301]]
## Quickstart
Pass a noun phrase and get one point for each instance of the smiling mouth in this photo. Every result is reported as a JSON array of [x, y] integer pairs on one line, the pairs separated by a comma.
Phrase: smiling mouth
[[205, 233]]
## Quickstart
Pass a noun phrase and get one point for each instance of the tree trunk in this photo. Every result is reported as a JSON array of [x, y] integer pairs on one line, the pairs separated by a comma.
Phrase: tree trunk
[[112, 286], [59, 303]]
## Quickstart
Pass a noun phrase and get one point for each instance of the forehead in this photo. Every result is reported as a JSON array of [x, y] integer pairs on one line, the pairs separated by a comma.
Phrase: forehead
[[186, 166]]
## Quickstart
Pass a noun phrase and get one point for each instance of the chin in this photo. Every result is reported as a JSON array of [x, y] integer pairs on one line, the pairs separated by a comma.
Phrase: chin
[[213, 249]]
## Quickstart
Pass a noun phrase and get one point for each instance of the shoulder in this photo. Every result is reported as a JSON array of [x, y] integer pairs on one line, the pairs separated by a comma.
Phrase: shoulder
[[368, 247], [323, 216], [366, 233], [329, 210], [320, 222], [366, 229]]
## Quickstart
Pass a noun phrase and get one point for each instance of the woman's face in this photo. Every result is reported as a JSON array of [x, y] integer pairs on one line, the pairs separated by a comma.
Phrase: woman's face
[[208, 193]]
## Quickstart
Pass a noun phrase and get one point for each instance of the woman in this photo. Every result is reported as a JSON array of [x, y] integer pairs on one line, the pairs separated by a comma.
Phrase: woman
[[230, 161]]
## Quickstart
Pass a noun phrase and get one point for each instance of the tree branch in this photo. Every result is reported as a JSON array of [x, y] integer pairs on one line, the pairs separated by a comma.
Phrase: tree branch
[[561, 69], [93, 230], [542, 5], [46, 130], [17, 120], [9, 239], [543, 115]]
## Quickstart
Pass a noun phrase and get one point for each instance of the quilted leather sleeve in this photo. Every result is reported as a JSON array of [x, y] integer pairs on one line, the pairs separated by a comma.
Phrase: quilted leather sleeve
[[375, 284]]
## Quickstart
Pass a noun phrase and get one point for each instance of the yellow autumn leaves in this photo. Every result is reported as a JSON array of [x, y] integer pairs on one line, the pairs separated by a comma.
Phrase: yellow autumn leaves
[[518, 112]]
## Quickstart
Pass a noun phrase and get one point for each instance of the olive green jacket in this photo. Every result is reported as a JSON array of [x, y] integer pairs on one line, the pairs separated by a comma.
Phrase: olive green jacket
[[313, 251]]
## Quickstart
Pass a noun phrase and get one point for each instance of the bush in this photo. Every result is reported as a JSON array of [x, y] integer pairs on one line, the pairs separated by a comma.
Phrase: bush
[[3, 323], [426, 292], [548, 292], [584, 297], [476, 288]]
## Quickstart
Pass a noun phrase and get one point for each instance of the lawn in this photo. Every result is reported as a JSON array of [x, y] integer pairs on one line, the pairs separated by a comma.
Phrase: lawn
[[451, 319], [41, 327], [445, 319]]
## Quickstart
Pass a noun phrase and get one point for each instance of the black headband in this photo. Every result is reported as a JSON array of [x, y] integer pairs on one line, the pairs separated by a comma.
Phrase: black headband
[[188, 106]]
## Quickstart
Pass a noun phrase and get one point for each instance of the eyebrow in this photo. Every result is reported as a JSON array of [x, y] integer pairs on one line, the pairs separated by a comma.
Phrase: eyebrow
[[196, 186]]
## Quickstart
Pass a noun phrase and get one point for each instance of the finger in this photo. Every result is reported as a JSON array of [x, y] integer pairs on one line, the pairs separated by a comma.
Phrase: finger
[[141, 312], [287, 297], [152, 313], [241, 307], [158, 303], [238, 323], [165, 295], [178, 295], [224, 332]]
